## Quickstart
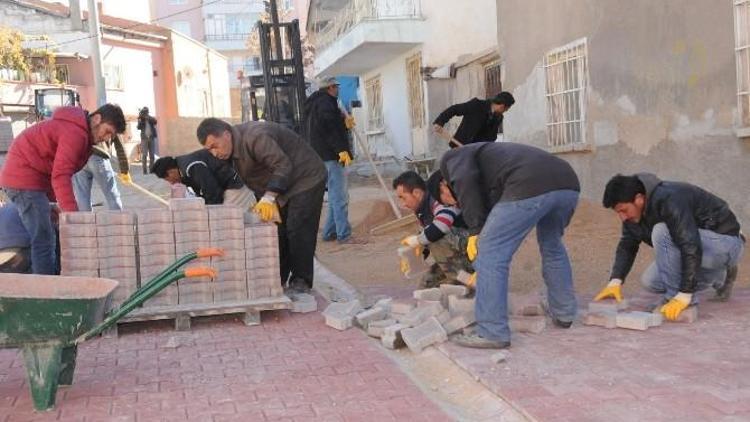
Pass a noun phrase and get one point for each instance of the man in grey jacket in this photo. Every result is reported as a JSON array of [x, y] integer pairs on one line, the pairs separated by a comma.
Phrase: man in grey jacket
[[288, 177], [504, 191]]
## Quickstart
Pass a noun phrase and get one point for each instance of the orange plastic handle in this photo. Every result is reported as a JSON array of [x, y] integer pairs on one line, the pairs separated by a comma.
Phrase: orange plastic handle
[[200, 272], [209, 252]]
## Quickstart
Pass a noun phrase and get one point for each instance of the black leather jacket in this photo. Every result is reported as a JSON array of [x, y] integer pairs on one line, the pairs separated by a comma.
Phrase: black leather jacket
[[684, 208]]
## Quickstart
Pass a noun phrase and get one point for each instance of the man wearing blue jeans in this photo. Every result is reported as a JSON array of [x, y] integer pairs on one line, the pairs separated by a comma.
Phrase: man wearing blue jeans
[[504, 191], [695, 235], [40, 165], [327, 131], [98, 168]]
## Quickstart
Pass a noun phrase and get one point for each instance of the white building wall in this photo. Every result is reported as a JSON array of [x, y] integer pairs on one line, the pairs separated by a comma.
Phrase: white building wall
[[137, 78], [457, 28], [397, 127]]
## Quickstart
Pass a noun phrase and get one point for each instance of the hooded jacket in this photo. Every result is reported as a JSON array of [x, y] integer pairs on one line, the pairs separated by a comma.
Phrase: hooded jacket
[[684, 208], [483, 174], [45, 156], [325, 126], [208, 176]]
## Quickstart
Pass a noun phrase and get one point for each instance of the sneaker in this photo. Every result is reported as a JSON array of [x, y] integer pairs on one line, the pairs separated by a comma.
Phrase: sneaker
[[724, 292], [329, 238], [475, 341]]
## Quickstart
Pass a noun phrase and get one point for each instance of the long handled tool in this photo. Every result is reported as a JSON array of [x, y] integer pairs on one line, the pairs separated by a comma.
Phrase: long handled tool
[[149, 193], [400, 219], [448, 137]]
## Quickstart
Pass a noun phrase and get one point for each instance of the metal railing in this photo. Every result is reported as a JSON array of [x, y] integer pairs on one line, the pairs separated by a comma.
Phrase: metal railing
[[357, 11]]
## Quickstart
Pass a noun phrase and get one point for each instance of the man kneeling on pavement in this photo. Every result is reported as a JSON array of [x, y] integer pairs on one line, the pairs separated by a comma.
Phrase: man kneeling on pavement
[[444, 235], [695, 235], [504, 191]]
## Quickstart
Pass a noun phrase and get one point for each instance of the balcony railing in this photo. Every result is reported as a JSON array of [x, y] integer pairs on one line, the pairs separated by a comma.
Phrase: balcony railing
[[228, 37], [357, 11]]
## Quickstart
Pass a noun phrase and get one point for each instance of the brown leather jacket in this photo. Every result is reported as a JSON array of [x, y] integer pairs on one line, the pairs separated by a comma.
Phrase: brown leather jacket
[[270, 157]]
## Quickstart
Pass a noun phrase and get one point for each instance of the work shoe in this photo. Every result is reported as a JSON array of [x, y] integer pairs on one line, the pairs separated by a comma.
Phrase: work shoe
[[298, 286], [352, 240], [328, 238], [561, 324], [724, 292], [475, 341]]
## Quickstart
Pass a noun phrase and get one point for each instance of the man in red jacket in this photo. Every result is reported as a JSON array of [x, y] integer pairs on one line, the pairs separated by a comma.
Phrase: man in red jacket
[[39, 167]]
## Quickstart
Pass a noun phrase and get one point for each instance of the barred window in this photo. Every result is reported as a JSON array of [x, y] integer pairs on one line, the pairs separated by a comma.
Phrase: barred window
[[742, 55], [566, 74], [416, 97], [374, 96]]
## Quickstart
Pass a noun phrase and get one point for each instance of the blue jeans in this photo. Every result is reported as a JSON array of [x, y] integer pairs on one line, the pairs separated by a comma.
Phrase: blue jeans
[[664, 275], [99, 169], [34, 210], [502, 234], [337, 222]]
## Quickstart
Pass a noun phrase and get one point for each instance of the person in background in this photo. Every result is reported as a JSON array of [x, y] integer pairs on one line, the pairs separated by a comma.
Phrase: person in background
[[147, 126]]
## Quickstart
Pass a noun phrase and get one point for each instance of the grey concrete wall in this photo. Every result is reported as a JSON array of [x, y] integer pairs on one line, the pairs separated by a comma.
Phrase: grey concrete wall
[[662, 92]]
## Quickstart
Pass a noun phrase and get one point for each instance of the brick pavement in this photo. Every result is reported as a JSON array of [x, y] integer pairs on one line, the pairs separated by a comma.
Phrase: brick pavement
[[691, 372], [290, 368]]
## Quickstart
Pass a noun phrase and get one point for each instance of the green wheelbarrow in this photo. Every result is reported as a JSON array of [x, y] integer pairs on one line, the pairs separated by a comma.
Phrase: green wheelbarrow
[[47, 316]]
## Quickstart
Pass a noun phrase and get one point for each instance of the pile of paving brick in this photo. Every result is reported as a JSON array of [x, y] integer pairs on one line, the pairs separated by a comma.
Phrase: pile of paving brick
[[612, 314], [430, 318], [133, 247]]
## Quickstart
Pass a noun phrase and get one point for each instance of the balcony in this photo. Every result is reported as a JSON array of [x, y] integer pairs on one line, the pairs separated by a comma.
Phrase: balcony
[[365, 34]]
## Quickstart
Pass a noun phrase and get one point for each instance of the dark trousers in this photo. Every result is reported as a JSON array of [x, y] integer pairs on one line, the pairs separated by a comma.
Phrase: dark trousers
[[298, 234]]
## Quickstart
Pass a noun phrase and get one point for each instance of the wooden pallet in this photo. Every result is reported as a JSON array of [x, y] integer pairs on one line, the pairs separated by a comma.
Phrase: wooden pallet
[[182, 314]]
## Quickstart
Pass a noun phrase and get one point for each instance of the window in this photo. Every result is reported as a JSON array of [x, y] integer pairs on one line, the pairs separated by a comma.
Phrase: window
[[183, 27], [374, 96], [742, 56], [492, 82], [62, 73], [414, 87], [113, 76], [566, 74]]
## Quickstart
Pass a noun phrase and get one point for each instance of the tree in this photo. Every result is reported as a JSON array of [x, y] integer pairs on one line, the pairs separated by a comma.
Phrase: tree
[[14, 56]]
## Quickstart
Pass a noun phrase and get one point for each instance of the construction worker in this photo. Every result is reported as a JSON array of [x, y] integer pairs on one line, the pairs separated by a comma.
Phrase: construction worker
[[327, 132], [212, 179], [482, 119], [15, 243], [505, 190], [40, 165], [288, 177], [443, 236], [149, 141], [695, 235], [98, 168]]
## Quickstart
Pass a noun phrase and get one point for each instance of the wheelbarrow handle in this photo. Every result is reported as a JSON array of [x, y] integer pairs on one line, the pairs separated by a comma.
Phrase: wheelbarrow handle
[[147, 291]]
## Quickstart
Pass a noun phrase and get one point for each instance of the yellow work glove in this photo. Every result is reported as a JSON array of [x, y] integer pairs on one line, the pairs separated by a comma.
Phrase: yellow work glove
[[345, 158], [676, 305], [349, 122], [413, 242], [471, 247], [267, 209], [612, 289], [404, 267], [472, 281], [125, 178]]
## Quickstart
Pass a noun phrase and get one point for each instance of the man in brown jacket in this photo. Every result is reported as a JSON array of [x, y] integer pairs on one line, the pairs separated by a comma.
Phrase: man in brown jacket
[[288, 177]]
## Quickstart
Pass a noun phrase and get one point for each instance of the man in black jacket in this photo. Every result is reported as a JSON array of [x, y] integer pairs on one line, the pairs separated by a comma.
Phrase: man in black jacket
[[696, 239], [482, 119], [504, 191], [327, 132], [149, 141], [205, 174]]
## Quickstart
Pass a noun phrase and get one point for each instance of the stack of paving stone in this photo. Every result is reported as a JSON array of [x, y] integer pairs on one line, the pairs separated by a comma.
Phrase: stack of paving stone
[[115, 234], [262, 261], [78, 245], [609, 313], [191, 232], [156, 251], [226, 230]]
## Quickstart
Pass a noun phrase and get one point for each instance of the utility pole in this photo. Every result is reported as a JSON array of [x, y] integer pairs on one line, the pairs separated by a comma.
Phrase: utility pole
[[96, 53]]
